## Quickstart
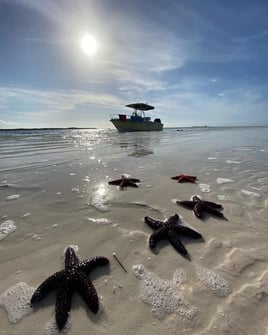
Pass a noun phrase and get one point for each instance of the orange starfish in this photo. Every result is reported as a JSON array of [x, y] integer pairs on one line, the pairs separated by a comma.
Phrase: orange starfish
[[185, 178]]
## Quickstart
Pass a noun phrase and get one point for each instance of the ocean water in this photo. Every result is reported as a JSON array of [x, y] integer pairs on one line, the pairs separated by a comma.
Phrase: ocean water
[[54, 192]]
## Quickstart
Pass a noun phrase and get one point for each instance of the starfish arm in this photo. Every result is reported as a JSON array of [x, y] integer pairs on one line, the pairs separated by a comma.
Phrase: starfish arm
[[92, 263], [70, 257], [115, 182], [158, 235], [46, 286], [124, 182], [212, 204], [198, 209], [191, 179], [63, 303], [127, 182], [212, 211], [187, 231], [172, 220], [134, 180], [184, 178], [155, 224], [186, 203], [131, 183], [175, 241], [87, 291], [181, 179]]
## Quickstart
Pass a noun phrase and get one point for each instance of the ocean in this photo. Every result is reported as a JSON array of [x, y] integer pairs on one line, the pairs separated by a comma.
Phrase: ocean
[[55, 192]]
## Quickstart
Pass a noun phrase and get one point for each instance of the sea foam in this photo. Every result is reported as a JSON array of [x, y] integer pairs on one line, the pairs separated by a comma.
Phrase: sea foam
[[224, 180], [13, 197], [99, 221], [51, 328], [7, 228], [250, 193], [232, 162], [163, 295], [16, 301], [213, 281], [204, 187]]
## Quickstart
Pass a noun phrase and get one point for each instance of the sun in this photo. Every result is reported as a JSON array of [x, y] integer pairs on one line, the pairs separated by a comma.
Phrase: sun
[[88, 44]]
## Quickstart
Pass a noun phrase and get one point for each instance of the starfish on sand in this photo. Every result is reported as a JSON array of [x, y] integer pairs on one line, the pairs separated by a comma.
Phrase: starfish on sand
[[124, 182], [200, 206], [170, 230], [73, 277], [184, 178]]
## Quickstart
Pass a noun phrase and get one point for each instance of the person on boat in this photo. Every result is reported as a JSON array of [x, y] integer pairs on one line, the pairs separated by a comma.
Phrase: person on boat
[[136, 117]]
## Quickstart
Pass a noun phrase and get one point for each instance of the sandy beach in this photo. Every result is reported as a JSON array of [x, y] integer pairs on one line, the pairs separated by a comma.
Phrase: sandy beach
[[54, 192]]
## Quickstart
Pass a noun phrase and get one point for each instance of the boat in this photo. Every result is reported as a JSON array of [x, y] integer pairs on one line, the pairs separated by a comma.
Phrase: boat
[[137, 121]]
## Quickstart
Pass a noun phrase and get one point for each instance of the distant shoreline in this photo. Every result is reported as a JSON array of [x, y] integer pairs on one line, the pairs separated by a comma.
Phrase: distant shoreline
[[56, 128], [170, 127]]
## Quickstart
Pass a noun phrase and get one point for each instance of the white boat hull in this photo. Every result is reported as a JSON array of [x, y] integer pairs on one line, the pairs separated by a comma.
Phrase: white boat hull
[[129, 125]]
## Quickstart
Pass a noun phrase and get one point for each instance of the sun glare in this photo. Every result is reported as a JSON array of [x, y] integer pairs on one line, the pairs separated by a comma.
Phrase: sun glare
[[88, 45]]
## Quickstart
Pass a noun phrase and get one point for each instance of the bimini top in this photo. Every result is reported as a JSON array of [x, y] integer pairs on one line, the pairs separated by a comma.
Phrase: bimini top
[[140, 106]]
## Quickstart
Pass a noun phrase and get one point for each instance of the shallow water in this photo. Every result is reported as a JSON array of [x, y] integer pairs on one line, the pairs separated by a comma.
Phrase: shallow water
[[54, 192]]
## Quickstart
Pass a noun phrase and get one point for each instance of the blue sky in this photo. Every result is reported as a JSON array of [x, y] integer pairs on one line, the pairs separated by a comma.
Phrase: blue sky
[[197, 62]]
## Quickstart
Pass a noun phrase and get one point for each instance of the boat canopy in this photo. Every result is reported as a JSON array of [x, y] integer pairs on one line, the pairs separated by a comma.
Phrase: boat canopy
[[140, 106]]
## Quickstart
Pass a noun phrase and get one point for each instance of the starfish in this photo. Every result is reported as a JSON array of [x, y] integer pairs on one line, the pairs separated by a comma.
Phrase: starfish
[[73, 277], [184, 178], [200, 206], [170, 230], [124, 182]]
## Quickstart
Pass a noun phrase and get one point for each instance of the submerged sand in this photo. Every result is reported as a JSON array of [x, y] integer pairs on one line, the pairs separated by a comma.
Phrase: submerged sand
[[220, 291]]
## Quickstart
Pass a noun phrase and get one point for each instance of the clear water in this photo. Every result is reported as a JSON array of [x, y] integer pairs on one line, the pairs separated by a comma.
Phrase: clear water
[[54, 189]]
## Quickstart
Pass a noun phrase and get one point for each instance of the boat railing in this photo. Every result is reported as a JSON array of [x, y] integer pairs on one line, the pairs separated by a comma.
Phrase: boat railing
[[134, 118], [120, 117]]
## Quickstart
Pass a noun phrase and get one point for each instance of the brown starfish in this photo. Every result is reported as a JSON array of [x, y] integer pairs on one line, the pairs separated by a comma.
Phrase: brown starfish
[[124, 182], [184, 178], [200, 206], [170, 230], [74, 277]]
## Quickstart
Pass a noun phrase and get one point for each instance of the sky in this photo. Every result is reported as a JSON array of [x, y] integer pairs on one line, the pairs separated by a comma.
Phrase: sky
[[197, 62]]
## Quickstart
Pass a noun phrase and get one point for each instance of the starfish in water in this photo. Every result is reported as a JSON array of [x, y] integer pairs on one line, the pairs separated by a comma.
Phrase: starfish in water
[[73, 277], [124, 182], [200, 206], [171, 231], [184, 178]]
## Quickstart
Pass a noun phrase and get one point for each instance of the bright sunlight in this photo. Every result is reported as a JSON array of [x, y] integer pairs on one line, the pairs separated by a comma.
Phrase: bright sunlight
[[88, 44]]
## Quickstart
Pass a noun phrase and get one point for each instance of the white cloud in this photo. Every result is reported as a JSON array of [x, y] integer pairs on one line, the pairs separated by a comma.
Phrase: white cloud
[[8, 124], [136, 53]]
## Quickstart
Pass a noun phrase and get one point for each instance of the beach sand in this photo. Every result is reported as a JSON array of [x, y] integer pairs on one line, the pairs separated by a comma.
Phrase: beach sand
[[64, 199]]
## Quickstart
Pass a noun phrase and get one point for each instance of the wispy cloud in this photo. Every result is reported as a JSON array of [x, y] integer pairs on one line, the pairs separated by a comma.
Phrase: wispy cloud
[[8, 124], [37, 107], [50, 9], [60, 100], [179, 107]]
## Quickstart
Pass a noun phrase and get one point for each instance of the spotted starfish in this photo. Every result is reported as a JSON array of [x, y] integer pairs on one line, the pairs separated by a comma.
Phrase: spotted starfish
[[184, 178], [200, 206], [73, 277], [124, 182], [170, 230]]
